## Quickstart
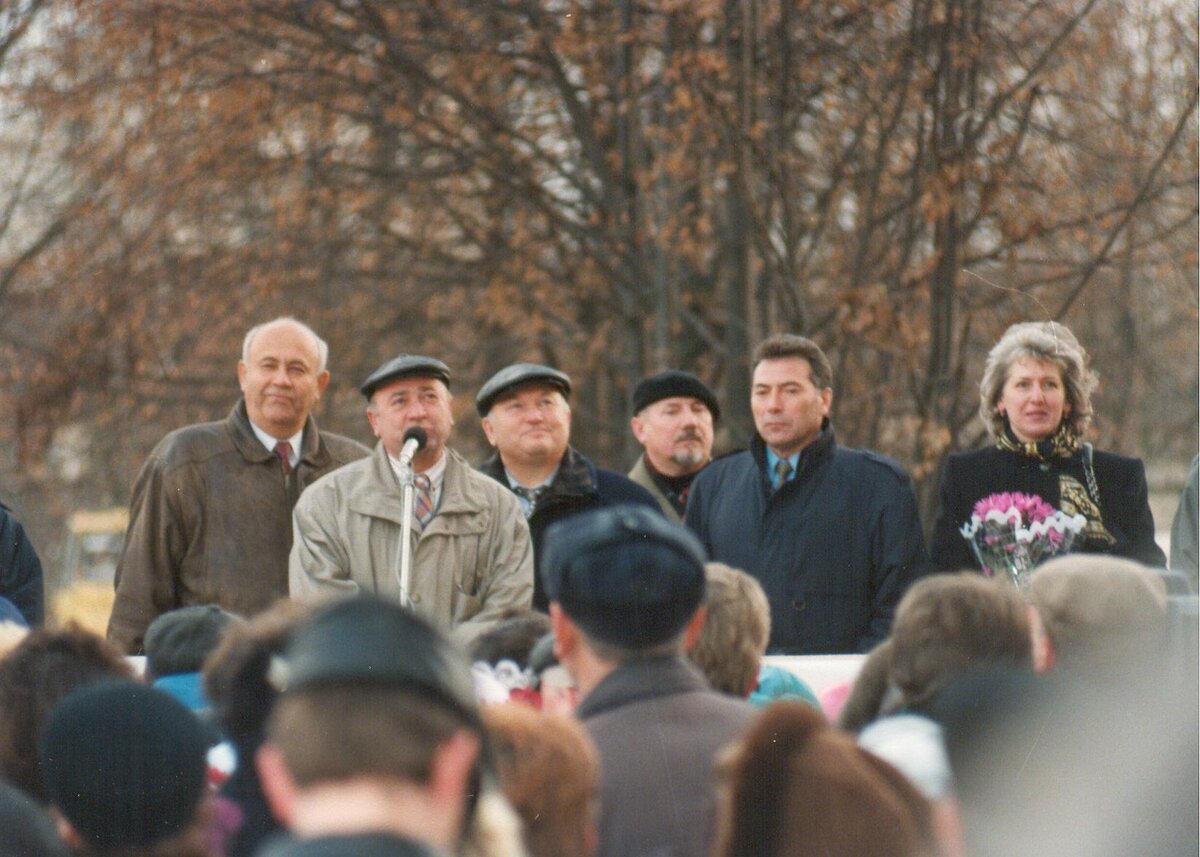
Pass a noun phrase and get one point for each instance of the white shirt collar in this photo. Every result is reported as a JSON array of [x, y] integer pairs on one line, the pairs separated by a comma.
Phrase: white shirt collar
[[269, 442]]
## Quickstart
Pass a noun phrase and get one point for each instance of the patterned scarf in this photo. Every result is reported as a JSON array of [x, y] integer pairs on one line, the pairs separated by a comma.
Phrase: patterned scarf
[[1062, 444], [1074, 498]]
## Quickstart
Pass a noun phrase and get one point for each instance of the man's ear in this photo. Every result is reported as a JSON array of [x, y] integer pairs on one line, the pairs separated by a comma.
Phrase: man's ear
[[1042, 645], [67, 832], [453, 767], [277, 784], [566, 634], [322, 382], [635, 425], [488, 431], [691, 631]]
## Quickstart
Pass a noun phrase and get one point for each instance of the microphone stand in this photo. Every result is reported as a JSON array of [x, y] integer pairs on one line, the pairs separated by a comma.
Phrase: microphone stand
[[407, 499]]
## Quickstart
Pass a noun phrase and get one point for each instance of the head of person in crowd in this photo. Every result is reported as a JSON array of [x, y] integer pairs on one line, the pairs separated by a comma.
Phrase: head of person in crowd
[[624, 584], [673, 417], [511, 639], [796, 786], [410, 391], [1096, 615], [549, 770], [871, 692], [1044, 764], [28, 829], [949, 623], [527, 418], [125, 769], [282, 374], [41, 670], [376, 732], [177, 644], [737, 624], [791, 392], [1035, 381]]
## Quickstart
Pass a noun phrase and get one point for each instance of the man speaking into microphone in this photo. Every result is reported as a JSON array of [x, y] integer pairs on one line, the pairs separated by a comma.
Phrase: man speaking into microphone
[[471, 558]]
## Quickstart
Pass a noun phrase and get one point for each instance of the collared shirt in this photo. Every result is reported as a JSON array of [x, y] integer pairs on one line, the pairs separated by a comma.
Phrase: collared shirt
[[436, 475], [773, 459], [269, 442], [525, 501]]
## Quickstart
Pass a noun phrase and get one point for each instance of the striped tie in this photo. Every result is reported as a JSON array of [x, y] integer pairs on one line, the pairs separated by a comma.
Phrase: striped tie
[[283, 450], [783, 469], [423, 508]]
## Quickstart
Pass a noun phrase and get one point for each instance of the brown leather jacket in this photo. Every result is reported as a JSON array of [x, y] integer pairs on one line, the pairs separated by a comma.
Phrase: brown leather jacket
[[210, 522]]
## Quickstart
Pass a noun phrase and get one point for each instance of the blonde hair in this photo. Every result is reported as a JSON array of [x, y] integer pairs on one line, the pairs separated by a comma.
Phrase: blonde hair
[[731, 645], [1046, 342]]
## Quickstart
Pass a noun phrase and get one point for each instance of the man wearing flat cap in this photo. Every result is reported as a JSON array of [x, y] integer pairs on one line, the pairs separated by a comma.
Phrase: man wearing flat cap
[[673, 417], [471, 554], [375, 746], [626, 589], [527, 419], [210, 520]]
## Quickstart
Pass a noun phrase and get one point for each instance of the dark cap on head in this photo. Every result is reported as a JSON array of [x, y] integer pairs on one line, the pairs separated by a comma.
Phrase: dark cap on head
[[124, 763], [671, 383], [625, 574], [517, 375], [180, 640], [374, 641], [405, 366]]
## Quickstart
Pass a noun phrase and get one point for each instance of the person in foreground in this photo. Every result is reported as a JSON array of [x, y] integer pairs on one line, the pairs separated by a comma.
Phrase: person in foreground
[[832, 534], [374, 747], [210, 521], [626, 589], [1036, 401], [472, 560]]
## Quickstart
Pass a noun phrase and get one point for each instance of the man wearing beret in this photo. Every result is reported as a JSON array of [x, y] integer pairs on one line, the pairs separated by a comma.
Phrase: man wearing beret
[[527, 419], [210, 521], [375, 745], [673, 417], [831, 533], [471, 554], [626, 588]]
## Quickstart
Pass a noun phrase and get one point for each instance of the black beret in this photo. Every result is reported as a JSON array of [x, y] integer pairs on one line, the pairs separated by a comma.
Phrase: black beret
[[372, 640], [671, 383], [625, 574], [125, 763], [518, 375], [405, 366]]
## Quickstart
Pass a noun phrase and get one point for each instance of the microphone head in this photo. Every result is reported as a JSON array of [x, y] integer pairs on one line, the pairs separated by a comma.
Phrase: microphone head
[[418, 434]]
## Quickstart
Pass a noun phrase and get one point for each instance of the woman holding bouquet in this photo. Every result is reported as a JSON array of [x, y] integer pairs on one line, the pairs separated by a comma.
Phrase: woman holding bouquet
[[1035, 399]]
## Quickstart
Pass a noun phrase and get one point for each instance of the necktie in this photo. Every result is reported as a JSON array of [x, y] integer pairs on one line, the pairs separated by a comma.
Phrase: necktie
[[530, 496], [783, 469], [423, 505], [283, 451]]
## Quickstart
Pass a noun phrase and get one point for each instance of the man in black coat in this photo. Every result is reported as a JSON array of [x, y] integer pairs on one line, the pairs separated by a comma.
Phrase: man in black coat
[[831, 533], [20, 570], [527, 419]]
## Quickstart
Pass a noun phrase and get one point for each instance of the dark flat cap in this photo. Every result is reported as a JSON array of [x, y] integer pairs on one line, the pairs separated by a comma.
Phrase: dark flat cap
[[368, 639], [405, 366], [674, 382], [625, 574], [125, 764], [180, 640], [518, 375]]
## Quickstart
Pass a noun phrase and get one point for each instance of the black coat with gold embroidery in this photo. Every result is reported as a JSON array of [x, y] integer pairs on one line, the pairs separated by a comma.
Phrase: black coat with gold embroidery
[[1126, 527]]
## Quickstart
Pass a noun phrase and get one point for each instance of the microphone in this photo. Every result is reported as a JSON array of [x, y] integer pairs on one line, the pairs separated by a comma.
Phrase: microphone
[[414, 440]]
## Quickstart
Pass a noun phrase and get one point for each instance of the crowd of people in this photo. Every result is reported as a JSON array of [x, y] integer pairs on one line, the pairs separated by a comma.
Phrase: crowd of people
[[316, 649]]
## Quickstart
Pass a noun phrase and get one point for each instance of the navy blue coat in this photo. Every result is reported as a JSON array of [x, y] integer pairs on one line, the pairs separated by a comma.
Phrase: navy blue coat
[[20, 570], [968, 477], [834, 548], [578, 486]]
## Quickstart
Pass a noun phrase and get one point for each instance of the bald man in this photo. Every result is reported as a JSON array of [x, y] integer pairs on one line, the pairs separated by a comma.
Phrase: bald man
[[210, 521]]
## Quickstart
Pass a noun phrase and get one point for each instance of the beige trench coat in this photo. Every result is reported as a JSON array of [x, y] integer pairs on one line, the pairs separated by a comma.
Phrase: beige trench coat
[[473, 562]]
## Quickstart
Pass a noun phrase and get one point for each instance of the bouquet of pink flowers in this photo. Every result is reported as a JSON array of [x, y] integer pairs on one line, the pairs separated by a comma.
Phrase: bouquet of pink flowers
[[1013, 533]]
